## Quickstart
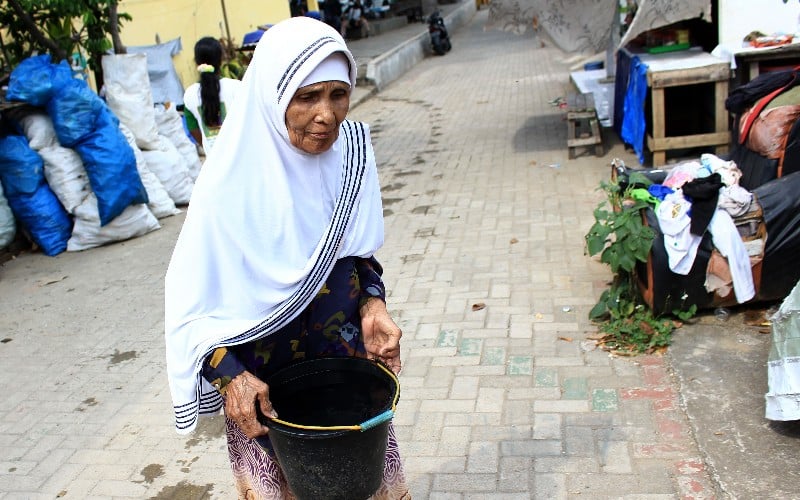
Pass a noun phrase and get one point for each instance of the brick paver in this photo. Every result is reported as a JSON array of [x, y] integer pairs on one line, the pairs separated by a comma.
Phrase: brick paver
[[486, 209], [501, 397]]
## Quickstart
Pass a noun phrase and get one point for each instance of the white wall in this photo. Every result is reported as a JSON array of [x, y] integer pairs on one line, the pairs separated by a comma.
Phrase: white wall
[[737, 18]]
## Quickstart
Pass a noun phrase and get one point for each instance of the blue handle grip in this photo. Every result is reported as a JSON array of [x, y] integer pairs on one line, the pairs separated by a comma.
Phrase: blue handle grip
[[377, 420]]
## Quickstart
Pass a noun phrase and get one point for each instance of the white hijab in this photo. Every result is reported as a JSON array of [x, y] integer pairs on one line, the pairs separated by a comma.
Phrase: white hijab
[[267, 221]]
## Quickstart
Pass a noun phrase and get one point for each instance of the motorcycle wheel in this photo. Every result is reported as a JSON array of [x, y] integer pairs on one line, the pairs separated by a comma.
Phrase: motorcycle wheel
[[437, 45]]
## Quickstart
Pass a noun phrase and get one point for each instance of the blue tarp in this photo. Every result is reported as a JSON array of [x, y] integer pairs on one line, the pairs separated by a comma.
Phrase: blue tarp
[[633, 121], [32, 201]]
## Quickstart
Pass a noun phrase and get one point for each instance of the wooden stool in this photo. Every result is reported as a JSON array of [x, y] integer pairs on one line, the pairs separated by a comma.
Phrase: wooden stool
[[583, 128]]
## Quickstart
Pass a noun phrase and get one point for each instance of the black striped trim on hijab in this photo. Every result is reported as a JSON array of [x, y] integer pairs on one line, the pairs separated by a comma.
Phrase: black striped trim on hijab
[[355, 166], [298, 62]]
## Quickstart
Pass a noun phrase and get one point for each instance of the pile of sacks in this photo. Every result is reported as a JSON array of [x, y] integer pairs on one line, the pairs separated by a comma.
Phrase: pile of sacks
[[80, 171]]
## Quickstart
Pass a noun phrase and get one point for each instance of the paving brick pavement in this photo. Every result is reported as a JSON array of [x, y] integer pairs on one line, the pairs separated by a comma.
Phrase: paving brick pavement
[[483, 207], [502, 398]]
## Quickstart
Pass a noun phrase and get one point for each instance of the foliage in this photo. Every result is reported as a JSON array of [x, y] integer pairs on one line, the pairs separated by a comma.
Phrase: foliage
[[234, 67], [639, 332], [618, 234], [234, 60], [622, 239], [59, 28]]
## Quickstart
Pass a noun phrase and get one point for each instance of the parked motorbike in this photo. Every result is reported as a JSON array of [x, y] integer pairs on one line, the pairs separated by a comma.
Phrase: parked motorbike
[[440, 40]]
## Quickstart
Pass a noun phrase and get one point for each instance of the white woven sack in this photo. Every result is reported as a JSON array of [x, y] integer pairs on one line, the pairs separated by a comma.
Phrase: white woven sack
[[66, 176], [159, 201], [170, 125], [169, 167], [135, 220], [38, 128], [8, 225], [128, 94]]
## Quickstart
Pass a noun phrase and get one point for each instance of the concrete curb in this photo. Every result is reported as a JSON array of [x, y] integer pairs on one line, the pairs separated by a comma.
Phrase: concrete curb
[[387, 67]]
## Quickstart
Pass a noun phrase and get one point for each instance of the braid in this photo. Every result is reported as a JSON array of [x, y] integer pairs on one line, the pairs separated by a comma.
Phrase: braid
[[208, 50], [209, 96]]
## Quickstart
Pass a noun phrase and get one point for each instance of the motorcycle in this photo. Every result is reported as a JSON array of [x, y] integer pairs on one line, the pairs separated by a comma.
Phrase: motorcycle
[[440, 40]]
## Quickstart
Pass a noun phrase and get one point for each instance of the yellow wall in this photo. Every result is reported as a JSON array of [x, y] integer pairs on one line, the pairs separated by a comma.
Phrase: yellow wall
[[193, 19]]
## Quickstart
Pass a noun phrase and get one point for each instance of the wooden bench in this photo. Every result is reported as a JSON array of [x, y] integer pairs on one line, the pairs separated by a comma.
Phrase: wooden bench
[[583, 127]]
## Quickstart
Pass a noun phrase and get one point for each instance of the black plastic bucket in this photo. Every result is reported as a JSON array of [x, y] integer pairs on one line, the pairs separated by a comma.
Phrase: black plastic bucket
[[332, 428]]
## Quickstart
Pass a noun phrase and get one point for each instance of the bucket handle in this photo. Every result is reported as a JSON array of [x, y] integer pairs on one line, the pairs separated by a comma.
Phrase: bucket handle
[[377, 420], [364, 426]]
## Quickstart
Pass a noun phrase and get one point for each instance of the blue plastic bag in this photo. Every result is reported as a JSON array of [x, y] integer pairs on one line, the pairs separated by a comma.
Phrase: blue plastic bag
[[74, 110], [33, 203], [111, 167], [36, 79], [83, 122], [633, 122]]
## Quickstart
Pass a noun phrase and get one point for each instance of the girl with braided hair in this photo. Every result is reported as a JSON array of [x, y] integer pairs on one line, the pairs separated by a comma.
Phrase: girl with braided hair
[[207, 101]]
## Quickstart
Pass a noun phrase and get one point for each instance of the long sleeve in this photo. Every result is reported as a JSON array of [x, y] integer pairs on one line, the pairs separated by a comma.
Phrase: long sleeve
[[369, 275], [221, 367]]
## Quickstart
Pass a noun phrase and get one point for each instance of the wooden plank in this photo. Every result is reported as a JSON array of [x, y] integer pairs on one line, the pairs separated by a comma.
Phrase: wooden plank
[[687, 141], [595, 126], [691, 76], [570, 131], [657, 104], [586, 141], [720, 113], [578, 115]]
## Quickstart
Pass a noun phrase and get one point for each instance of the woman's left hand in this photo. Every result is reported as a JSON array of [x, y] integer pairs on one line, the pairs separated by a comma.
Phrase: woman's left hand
[[381, 333]]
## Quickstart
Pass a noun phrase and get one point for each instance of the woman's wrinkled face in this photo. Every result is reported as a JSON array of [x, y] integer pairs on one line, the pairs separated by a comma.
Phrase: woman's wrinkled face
[[315, 113]]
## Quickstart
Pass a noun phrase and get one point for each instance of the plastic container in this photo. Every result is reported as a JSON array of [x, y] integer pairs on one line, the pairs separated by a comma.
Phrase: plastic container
[[332, 429], [593, 65], [722, 313], [668, 48]]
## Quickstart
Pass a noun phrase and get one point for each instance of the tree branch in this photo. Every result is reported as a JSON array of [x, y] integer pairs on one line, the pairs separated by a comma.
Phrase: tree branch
[[36, 33], [113, 28]]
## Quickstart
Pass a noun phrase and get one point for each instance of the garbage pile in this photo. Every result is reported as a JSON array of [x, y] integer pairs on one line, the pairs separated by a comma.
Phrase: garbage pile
[[79, 171]]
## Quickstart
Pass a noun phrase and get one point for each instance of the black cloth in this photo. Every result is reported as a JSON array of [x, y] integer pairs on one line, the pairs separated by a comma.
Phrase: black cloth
[[703, 192], [745, 96]]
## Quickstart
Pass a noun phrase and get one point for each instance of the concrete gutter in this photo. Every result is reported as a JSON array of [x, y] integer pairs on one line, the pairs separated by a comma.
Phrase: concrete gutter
[[389, 66]]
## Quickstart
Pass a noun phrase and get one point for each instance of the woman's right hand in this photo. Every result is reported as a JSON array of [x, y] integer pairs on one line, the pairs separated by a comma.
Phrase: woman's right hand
[[242, 395]]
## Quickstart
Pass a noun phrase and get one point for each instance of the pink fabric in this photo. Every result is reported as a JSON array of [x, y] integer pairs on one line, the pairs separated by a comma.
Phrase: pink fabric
[[678, 180]]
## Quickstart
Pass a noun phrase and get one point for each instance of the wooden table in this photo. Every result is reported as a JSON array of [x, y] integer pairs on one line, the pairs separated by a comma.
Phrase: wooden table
[[689, 67]]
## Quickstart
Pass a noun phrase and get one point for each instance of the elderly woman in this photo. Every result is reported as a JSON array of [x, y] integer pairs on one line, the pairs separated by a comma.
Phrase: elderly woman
[[275, 261]]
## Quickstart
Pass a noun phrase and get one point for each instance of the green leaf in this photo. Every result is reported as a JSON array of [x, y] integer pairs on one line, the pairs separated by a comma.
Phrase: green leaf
[[599, 311]]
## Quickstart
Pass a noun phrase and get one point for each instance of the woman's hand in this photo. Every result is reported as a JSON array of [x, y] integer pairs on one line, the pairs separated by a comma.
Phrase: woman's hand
[[242, 395], [381, 333]]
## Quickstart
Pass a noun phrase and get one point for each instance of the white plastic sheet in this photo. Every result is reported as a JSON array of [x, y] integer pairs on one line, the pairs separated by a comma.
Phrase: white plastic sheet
[[8, 225], [783, 367], [585, 26]]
